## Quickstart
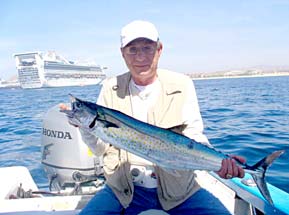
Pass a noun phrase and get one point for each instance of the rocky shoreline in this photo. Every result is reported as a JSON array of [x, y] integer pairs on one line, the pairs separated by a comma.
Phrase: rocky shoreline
[[238, 74]]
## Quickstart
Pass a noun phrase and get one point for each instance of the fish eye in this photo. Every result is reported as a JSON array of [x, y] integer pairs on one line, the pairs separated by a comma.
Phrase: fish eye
[[77, 105]]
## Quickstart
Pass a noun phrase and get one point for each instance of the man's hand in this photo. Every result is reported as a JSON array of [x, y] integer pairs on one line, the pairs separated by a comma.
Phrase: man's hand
[[230, 168], [63, 107]]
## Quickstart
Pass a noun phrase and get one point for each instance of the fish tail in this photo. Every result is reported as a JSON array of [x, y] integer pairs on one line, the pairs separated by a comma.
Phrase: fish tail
[[258, 173]]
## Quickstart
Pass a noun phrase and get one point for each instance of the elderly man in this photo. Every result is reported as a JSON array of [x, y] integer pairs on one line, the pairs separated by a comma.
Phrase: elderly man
[[162, 98]]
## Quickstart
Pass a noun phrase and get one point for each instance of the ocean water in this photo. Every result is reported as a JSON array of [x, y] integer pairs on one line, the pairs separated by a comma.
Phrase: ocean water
[[243, 116]]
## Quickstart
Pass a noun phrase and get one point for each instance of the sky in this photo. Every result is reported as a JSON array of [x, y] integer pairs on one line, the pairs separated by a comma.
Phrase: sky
[[197, 35]]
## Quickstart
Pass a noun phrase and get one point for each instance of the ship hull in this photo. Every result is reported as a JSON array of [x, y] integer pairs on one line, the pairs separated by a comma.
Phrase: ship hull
[[70, 82]]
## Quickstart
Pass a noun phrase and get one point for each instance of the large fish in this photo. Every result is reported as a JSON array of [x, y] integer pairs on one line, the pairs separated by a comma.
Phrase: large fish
[[163, 147]]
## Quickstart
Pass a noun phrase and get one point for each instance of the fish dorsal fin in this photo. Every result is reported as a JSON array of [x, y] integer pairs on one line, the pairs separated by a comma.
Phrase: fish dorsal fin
[[178, 128]]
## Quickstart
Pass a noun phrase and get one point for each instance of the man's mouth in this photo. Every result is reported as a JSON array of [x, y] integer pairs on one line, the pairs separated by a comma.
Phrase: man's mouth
[[141, 66]]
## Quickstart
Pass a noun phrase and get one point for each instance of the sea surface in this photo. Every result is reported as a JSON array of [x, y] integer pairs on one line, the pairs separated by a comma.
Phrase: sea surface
[[242, 116]]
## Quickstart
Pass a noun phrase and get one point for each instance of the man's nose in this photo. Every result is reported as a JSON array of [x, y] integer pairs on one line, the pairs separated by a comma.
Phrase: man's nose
[[140, 55]]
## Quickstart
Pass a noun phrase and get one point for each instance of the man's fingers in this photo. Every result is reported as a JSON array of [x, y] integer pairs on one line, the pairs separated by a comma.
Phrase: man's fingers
[[230, 168], [63, 107], [235, 168], [224, 169], [241, 172], [239, 158]]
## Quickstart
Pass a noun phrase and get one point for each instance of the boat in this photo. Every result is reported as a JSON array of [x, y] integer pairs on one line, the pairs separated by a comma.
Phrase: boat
[[236, 196], [37, 70], [76, 175], [9, 84]]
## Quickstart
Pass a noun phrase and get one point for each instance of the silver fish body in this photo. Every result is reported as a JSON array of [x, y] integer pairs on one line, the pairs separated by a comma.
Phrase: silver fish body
[[163, 147]]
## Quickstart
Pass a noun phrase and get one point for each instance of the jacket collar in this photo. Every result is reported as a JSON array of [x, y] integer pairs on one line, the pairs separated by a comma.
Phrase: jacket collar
[[169, 89]]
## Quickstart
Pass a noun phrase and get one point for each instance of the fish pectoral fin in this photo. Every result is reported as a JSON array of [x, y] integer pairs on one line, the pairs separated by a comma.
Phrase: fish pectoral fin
[[102, 119], [109, 124], [106, 124], [178, 128]]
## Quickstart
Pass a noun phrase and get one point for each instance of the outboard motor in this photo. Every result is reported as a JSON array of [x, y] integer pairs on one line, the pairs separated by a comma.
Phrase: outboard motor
[[68, 162]]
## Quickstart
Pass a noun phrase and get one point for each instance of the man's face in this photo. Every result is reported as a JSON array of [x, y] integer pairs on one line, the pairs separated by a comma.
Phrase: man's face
[[141, 57]]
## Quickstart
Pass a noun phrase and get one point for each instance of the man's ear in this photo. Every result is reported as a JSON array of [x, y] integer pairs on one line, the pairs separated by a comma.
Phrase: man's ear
[[160, 47], [121, 50]]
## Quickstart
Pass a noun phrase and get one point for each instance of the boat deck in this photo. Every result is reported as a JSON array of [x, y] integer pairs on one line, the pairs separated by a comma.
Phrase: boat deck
[[237, 197]]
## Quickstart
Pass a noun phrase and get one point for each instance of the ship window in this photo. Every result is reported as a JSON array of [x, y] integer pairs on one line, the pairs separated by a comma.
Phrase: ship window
[[28, 62]]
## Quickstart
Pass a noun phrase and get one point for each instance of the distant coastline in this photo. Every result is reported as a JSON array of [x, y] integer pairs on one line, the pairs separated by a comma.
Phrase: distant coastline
[[238, 74], [249, 73]]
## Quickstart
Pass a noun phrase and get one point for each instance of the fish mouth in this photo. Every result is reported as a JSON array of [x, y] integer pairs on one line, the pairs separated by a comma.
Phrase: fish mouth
[[70, 114], [72, 98]]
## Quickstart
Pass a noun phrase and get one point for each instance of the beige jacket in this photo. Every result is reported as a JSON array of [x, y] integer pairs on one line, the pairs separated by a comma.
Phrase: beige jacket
[[172, 189]]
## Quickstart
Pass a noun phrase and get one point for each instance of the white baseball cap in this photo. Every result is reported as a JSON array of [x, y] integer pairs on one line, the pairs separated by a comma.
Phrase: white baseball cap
[[138, 29]]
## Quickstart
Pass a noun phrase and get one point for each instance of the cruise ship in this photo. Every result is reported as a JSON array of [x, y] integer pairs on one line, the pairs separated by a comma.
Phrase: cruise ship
[[37, 70]]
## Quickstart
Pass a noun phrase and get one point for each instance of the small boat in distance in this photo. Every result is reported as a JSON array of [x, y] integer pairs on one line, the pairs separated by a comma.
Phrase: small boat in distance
[[9, 84], [37, 70]]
